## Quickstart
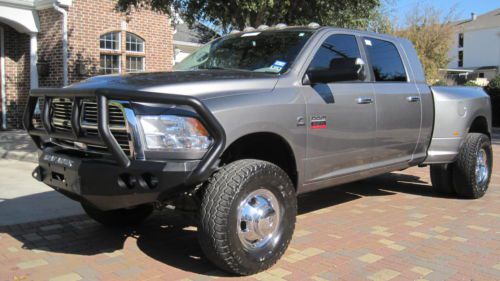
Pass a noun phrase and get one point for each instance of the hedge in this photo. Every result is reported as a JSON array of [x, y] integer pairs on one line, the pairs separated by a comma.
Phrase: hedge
[[493, 89]]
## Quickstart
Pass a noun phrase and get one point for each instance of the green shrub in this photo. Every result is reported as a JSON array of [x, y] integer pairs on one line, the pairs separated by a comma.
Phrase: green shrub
[[471, 83], [440, 83], [494, 85], [493, 90]]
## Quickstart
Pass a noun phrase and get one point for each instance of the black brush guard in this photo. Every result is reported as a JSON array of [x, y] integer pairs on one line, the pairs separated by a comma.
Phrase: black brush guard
[[122, 161]]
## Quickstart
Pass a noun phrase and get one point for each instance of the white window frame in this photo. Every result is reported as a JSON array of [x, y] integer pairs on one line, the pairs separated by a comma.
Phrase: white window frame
[[136, 71], [121, 51], [103, 72], [119, 41], [142, 42]]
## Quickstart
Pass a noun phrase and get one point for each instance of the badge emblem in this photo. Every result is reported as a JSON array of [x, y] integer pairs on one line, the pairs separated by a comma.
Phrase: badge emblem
[[318, 122]]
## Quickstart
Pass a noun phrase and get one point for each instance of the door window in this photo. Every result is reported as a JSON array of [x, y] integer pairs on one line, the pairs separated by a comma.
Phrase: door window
[[337, 51], [385, 61]]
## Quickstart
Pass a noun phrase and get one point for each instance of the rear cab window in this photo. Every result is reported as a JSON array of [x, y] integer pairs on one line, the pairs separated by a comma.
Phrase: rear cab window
[[385, 60], [335, 47]]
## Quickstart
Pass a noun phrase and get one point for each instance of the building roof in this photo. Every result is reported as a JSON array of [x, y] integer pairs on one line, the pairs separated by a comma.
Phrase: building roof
[[470, 69], [198, 34], [487, 20]]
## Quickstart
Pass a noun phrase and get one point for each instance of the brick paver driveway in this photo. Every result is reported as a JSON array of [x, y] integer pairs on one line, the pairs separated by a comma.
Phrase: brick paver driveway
[[390, 227]]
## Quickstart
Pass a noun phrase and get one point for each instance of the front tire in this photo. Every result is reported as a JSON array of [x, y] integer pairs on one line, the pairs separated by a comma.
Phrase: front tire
[[472, 170], [247, 216], [121, 217]]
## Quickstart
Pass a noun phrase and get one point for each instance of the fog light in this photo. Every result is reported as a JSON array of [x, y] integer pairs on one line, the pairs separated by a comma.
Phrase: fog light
[[126, 181], [151, 180]]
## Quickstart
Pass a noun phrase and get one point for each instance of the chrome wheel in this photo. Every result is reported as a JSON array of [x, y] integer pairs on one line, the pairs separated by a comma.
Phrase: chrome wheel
[[247, 216], [482, 171], [259, 218]]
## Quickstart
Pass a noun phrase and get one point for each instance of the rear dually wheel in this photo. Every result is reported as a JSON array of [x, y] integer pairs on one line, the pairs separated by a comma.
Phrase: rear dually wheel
[[472, 170]]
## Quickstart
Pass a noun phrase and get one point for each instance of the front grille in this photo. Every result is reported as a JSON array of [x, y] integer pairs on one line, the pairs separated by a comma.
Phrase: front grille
[[121, 137], [61, 111], [116, 116]]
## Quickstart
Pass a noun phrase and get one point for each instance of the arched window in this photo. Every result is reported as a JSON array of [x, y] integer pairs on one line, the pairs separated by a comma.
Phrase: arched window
[[135, 50], [112, 53], [134, 43], [110, 41]]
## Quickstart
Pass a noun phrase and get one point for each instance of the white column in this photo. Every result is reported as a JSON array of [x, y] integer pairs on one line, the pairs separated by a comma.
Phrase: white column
[[33, 61], [65, 41], [2, 78]]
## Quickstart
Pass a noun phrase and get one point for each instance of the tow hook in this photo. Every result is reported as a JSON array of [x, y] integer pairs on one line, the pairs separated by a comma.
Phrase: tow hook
[[37, 173]]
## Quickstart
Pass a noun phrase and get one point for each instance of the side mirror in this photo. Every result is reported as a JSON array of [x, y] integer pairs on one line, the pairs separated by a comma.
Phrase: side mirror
[[341, 69]]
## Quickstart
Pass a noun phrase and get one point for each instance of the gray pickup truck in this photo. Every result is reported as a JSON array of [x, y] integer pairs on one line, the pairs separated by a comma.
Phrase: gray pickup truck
[[250, 121]]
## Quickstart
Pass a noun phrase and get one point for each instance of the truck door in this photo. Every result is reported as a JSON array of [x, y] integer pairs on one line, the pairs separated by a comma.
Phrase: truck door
[[340, 114], [398, 103]]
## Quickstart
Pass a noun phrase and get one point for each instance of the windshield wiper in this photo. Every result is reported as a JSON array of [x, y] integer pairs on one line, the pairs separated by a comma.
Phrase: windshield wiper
[[234, 69], [223, 68], [216, 68]]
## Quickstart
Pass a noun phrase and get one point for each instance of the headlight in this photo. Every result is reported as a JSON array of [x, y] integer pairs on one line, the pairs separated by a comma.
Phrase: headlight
[[174, 133]]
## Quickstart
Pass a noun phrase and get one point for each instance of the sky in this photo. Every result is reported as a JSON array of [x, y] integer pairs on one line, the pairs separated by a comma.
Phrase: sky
[[462, 8]]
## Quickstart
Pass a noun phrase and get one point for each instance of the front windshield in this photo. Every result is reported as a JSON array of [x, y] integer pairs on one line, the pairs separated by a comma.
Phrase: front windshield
[[267, 51]]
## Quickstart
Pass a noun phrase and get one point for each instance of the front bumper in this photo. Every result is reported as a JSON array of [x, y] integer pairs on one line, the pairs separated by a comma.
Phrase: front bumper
[[114, 181], [106, 186]]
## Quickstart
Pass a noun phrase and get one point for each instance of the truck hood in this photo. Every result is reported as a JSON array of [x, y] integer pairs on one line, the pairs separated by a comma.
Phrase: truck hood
[[201, 84]]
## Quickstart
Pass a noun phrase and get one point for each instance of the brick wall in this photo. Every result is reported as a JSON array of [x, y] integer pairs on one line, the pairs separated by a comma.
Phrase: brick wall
[[50, 48], [87, 21], [17, 79]]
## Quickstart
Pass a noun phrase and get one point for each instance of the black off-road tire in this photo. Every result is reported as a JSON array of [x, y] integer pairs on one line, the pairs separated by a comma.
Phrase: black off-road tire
[[120, 217], [442, 179], [464, 171], [218, 229]]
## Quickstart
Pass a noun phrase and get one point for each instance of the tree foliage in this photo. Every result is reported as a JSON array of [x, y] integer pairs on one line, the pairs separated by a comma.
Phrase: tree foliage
[[238, 14], [494, 86], [382, 18], [432, 35]]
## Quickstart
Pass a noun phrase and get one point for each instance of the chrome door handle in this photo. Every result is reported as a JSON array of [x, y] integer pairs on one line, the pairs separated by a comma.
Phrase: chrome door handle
[[363, 100], [413, 99]]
